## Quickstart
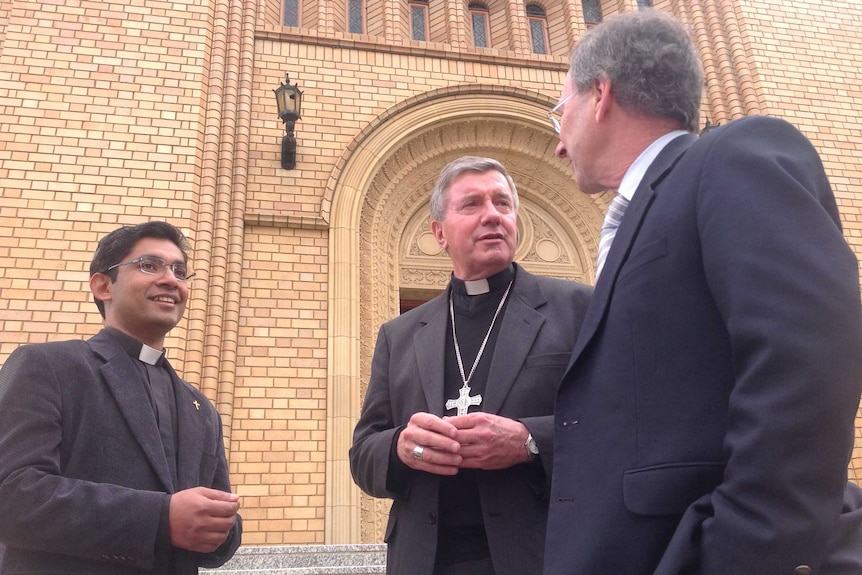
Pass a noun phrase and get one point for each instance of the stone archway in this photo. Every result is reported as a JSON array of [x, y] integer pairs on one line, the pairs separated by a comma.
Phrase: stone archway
[[379, 202]]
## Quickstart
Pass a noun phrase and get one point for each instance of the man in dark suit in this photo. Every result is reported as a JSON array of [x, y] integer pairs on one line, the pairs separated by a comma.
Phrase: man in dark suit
[[109, 462], [706, 420], [457, 421]]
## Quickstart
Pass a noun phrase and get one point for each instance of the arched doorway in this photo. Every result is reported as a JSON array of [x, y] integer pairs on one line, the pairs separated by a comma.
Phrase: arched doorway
[[380, 253]]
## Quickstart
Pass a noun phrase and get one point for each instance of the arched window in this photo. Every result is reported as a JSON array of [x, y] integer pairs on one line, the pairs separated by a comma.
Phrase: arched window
[[479, 17], [419, 19], [356, 16], [291, 13], [538, 28], [592, 11]]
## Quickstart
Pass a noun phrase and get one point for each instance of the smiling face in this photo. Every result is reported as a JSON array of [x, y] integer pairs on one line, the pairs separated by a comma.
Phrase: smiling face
[[144, 306], [480, 228]]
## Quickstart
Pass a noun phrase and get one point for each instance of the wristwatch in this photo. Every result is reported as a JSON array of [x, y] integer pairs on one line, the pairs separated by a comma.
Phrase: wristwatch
[[532, 448]]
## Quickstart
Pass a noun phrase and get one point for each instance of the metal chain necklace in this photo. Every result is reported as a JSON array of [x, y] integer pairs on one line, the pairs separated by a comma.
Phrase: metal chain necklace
[[464, 400]]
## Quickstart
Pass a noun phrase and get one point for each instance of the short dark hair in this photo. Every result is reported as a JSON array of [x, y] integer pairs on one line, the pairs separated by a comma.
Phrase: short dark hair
[[440, 193], [651, 62], [115, 246]]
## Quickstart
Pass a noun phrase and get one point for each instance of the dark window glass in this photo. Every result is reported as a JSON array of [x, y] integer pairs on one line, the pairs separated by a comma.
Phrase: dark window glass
[[538, 25], [644, 4], [417, 17], [480, 38], [355, 17], [592, 11], [479, 15], [537, 29], [291, 13]]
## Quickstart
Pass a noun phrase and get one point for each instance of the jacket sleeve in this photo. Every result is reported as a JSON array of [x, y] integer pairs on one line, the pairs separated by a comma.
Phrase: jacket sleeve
[[374, 434], [221, 481], [787, 287]]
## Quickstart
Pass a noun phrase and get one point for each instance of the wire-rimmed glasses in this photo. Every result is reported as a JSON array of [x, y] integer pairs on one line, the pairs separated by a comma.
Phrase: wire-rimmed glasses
[[556, 113], [154, 266]]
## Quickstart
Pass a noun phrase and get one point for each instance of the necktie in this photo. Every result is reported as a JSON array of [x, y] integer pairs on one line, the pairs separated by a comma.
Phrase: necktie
[[609, 229]]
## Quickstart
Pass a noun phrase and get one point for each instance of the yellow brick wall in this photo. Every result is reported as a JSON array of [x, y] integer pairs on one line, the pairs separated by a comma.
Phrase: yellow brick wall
[[99, 108], [279, 436], [346, 88]]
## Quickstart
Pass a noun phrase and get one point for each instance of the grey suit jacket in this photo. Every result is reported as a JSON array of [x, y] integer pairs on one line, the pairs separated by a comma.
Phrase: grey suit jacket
[[84, 483], [537, 335]]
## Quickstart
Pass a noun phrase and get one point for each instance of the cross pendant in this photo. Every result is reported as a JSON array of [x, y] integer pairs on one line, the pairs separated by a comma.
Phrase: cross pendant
[[464, 400]]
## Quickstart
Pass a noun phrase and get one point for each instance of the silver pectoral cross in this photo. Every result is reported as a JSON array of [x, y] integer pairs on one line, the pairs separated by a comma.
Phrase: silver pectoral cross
[[464, 400]]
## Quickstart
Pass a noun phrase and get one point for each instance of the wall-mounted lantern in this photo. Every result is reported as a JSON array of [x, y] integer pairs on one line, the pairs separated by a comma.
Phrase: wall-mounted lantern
[[288, 97]]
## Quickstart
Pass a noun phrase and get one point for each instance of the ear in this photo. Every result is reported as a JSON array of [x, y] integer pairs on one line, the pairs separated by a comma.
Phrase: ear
[[101, 286], [602, 97], [437, 230]]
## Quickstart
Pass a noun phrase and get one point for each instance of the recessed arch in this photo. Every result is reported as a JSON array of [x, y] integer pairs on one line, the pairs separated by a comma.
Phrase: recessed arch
[[374, 197]]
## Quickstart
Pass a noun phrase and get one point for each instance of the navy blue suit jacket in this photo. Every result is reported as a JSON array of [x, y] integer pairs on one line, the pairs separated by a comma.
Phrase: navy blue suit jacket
[[84, 481], [706, 420]]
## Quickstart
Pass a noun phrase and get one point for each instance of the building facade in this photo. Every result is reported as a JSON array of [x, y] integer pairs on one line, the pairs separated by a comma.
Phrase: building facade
[[116, 112]]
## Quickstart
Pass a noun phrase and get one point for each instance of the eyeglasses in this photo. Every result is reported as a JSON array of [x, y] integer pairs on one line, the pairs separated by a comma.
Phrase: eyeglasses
[[555, 113], [154, 266]]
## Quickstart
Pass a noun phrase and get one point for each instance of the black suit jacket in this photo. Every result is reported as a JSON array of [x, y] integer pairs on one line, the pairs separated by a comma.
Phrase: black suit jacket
[[84, 482], [706, 420], [536, 338]]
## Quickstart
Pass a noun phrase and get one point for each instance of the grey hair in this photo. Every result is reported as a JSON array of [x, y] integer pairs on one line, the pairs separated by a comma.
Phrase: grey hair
[[440, 193], [651, 62]]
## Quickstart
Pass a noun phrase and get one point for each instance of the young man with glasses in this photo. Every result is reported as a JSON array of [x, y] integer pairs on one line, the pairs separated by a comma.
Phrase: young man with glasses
[[109, 462]]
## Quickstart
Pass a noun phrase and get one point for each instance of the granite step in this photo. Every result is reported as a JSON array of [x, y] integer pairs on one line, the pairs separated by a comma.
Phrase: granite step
[[305, 560]]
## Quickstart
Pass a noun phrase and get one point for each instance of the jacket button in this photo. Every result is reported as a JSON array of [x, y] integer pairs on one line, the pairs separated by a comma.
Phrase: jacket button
[[432, 518], [802, 570]]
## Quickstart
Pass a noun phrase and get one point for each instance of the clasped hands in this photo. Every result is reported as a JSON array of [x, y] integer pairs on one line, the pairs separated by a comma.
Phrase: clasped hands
[[476, 440]]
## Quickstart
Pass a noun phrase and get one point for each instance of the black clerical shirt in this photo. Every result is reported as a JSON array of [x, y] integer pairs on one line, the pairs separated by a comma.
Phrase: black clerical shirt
[[461, 535]]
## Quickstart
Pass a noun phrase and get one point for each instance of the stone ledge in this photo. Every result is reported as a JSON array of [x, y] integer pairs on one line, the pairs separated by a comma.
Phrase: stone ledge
[[305, 560]]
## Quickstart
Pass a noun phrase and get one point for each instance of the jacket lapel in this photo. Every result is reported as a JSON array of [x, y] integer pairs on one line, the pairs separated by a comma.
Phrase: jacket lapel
[[134, 402], [625, 236], [518, 330], [429, 345], [191, 421]]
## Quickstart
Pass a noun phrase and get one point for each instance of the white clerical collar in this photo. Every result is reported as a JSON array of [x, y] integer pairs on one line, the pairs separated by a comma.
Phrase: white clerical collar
[[150, 355], [633, 176], [477, 287]]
